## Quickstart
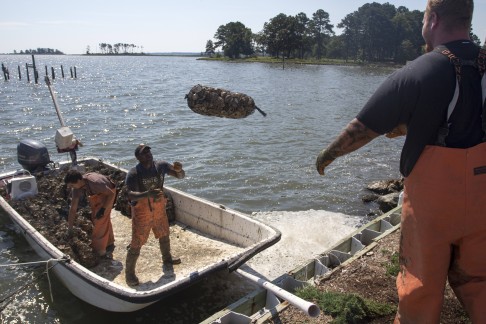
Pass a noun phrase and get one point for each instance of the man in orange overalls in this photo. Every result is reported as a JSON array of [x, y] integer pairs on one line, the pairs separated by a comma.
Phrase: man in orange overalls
[[438, 102], [145, 184], [101, 194]]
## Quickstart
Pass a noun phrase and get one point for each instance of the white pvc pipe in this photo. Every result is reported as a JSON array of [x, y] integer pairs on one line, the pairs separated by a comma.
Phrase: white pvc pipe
[[53, 96], [309, 308]]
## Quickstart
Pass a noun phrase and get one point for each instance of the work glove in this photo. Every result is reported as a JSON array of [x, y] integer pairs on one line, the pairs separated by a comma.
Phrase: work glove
[[100, 213]]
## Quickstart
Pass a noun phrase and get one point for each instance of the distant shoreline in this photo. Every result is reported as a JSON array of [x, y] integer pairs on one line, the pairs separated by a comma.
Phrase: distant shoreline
[[111, 55], [257, 59], [274, 60], [147, 54]]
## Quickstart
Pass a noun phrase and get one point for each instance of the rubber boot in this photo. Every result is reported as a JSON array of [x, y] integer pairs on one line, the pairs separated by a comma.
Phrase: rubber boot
[[167, 258], [132, 257]]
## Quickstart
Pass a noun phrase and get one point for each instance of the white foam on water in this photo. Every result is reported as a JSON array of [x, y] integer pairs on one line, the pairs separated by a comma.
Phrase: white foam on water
[[305, 234]]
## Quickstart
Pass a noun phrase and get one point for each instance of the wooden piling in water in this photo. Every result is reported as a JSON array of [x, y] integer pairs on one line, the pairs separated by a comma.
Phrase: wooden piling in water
[[27, 69], [32, 66], [4, 72], [36, 73]]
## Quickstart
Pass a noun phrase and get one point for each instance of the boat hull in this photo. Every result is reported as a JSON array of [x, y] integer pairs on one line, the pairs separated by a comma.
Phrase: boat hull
[[204, 218]]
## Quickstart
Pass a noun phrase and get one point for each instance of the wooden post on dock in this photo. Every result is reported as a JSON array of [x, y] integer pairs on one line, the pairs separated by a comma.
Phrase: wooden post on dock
[[52, 73], [71, 69], [62, 71], [20, 75], [75, 75], [47, 73]]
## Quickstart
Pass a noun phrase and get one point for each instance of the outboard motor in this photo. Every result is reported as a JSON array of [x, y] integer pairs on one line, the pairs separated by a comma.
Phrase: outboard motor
[[32, 155]]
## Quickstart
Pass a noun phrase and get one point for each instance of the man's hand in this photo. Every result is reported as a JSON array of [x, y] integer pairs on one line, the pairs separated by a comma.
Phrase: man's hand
[[323, 160], [177, 166], [155, 193], [400, 130], [100, 213], [354, 136]]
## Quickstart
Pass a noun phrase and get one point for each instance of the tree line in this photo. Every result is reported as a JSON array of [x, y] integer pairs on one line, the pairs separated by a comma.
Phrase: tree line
[[373, 33], [118, 48], [39, 51]]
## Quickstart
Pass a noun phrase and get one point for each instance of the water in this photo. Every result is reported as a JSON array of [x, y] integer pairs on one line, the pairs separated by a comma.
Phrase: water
[[260, 165]]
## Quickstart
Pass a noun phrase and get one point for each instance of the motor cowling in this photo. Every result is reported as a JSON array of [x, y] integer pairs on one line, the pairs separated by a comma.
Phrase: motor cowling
[[32, 155]]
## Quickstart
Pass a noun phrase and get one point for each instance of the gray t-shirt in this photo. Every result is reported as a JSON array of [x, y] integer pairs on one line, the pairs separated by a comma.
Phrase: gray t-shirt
[[140, 179], [419, 94]]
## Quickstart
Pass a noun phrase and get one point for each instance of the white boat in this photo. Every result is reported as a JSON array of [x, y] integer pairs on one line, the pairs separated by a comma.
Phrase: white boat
[[226, 239]]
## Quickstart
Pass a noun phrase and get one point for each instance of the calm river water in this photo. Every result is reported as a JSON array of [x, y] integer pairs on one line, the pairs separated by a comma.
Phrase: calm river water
[[254, 165]]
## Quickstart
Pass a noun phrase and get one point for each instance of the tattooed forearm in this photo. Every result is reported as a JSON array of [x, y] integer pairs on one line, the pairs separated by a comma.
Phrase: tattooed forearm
[[354, 136]]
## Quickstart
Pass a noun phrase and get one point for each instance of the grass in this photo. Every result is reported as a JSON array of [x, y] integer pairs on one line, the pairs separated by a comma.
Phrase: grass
[[346, 308], [393, 267]]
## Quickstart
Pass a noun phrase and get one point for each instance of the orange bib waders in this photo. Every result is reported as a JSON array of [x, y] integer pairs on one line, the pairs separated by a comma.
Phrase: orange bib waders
[[102, 235], [443, 234], [148, 214]]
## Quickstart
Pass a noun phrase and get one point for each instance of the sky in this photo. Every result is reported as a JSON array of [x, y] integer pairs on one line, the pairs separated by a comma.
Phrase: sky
[[158, 25]]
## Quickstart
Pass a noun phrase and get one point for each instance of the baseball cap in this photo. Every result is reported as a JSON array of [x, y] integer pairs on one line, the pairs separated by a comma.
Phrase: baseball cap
[[140, 149]]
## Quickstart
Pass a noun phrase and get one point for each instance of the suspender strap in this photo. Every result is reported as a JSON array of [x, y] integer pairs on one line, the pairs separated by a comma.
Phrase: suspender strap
[[480, 64], [443, 131], [482, 70]]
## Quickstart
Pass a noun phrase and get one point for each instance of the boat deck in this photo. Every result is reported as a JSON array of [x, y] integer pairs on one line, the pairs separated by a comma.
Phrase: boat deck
[[196, 250]]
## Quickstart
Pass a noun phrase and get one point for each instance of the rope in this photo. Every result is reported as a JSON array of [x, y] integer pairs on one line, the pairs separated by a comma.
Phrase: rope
[[30, 263], [9, 297]]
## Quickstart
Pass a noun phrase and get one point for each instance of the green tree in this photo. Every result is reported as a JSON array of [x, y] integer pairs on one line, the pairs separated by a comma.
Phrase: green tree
[[209, 48], [260, 40], [116, 48], [234, 39], [378, 30], [406, 52], [375, 32], [474, 38], [276, 34], [321, 29], [336, 47], [408, 34], [302, 34], [102, 47], [351, 36]]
